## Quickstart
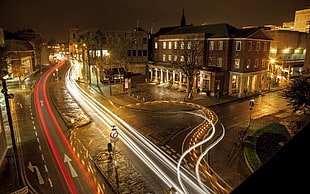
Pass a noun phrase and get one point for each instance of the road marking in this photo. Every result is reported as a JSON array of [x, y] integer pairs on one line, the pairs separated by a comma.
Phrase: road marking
[[42, 157], [68, 160], [50, 181], [33, 168], [45, 167]]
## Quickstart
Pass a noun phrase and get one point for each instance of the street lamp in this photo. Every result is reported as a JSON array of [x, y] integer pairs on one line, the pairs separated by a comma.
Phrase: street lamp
[[8, 96]]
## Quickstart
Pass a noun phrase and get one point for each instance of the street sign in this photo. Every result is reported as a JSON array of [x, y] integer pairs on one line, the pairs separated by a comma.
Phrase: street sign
[[113, 134]]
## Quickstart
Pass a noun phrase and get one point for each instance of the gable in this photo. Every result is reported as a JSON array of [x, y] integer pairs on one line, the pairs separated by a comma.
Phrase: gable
[[260, 34]]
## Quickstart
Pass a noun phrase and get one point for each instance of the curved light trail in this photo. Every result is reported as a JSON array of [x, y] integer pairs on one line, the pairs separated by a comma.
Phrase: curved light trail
[[153, 157], [40, 89]]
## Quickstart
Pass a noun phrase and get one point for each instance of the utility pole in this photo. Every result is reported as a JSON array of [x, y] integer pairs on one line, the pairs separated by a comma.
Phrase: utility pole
[[8, 96]]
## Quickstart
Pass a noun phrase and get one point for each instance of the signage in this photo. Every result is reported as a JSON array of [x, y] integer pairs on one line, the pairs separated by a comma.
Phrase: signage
[[113, 134]]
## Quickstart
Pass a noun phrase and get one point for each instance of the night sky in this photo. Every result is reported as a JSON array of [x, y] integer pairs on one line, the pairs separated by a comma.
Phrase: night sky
[[53, 17]]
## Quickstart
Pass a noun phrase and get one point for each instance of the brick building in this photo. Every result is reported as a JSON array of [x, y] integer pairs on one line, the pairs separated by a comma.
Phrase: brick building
[[233, 61]]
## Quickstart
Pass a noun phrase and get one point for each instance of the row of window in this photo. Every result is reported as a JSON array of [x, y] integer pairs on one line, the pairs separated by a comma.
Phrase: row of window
[[220, 45], [249, 45], [219, 61], [133, 53], [256, 64], [176, 45]]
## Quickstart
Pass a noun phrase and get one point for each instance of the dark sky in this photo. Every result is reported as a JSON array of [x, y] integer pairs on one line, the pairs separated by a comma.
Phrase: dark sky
[[53, 17]]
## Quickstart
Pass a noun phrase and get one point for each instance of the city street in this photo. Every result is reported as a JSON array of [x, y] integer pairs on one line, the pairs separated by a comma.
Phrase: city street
[[159, 123]]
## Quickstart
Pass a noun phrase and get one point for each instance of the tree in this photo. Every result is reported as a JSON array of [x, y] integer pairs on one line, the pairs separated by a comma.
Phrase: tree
[[298, 94], [190, 63], [93, 39]]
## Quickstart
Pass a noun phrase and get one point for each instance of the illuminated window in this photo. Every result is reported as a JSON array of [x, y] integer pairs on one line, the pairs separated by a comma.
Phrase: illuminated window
[[175, 45], [164, 57], [164, 45], [220, 45], [182, 45], [256, 63], [169, 58], [169, 45], [237, 63], [189, 45], [98, 53], [211, 46], [182, 58], [156, 45], [175, 57], [219, 62]]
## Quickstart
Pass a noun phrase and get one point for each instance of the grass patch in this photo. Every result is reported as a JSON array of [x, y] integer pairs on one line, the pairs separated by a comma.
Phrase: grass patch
[[263, 143]]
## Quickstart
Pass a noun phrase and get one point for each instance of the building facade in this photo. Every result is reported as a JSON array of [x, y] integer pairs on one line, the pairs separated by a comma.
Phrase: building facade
[[125, 49], [232, 62], [287, 54], [302, 20]]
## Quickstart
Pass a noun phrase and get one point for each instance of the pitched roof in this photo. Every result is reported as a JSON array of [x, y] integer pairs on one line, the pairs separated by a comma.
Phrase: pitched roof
[[213, 30], [216, 31]]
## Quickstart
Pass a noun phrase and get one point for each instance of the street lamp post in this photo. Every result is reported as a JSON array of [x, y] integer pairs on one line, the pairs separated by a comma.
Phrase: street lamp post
[[8, 96]]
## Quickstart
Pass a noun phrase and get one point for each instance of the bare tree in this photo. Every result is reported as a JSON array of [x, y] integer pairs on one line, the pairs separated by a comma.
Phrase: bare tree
[[190, 62]]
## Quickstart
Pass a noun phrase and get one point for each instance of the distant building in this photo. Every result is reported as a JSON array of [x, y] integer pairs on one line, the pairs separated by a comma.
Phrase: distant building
[[234, 61], [39, 43], [21, 56], [302, 20], [126, 49], [287, 54]]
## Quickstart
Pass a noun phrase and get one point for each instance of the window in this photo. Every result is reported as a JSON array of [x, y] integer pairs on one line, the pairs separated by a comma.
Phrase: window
[[144, 52], [134, 53], [170, 45], [164, 57], [211, 46], [182, 58], [175, 58], [257, 46], [164, 45], [182, 45], [139, 52], [98, 53], [175, 45], [250, 46], [128, 53], [248, 63], [219, 62], [156, 45], [238, 46], [220, 45], [256, 63], [237, 63], [144, 40], [169, 58], [189, 45], [265, 46]]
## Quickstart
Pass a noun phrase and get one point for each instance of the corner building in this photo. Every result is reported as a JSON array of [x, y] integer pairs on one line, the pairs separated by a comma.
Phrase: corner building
[[233, 61]]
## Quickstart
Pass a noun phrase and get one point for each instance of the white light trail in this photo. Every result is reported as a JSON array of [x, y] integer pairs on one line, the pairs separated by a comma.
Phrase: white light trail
[[142, 147], [190, 149]]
